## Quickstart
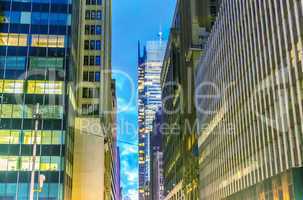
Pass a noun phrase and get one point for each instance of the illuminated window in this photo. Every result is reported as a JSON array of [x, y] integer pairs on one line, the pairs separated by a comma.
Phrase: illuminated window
[[8, 163], [41, 62], [48, 41], [44, 163], [45, 87], [44, 137], [13, 39], [11, 86], [9, 137]]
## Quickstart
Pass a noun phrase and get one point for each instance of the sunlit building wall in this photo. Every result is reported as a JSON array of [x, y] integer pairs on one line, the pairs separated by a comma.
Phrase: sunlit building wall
[[149, 100], [34, 61], [250, 133], [94, 100]]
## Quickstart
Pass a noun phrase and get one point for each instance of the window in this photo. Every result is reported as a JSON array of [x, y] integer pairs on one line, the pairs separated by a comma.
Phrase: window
[[13, 39], [42, 62], [11, 86], [8, 163], [87, 14], [99, 2], [85, 60], [92, 45], [90, 92], [91, 76], [98, 30], [98, 44], [90, 109], [92, 60], [87, 29], [45, 87], [86, 44], [92, 30], [93, 14], [93, 2], [9, 137], [85, 76], [48, 41], [87, 2], [99, 14], [12, 62], [98, 60], [97, 76], [43, 137]]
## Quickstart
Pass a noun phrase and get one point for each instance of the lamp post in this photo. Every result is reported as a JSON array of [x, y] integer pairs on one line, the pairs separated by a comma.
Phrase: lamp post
[[36, 117]]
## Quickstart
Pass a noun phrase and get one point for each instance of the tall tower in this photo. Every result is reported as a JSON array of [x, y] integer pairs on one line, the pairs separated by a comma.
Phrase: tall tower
[[34, 68], [149, 100], [91, 53]]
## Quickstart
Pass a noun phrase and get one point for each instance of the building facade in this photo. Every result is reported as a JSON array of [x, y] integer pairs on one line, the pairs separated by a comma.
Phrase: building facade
[[34, 66], [250, 131], [156, 160], [94, 100], [149, 100], [189, 32]]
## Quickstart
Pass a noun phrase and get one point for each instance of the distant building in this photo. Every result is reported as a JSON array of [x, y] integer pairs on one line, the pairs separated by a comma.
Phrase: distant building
[[149, 100], [250, 135], [157, 182]]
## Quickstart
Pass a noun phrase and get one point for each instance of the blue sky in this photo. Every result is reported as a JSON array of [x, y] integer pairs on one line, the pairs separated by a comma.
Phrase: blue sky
[[133, 20]]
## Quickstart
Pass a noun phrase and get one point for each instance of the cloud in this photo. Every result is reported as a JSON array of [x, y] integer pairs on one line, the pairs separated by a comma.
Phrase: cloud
[[128, 150], [131, 194]]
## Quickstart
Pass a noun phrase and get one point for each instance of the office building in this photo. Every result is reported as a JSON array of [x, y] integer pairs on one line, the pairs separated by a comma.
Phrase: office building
[[34, 63], [189, 32], [93, 124], [250, 131], [156, 160], [149, 100]]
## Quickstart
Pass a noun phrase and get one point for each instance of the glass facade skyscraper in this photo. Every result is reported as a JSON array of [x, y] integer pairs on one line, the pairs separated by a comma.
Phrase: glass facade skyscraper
[[251, 131], [149, 100], [34, 61]]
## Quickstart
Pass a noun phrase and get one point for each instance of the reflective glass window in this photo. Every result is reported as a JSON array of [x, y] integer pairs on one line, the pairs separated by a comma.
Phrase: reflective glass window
[[12, 62], [9, 137], [48, 41], [98, 30], [8, 163], [99, 14], [93, 14], [25, 18], [98, 44], [45, 87], [43, 62], [97, 76], [13, 39], [11, 86], [98, 60]]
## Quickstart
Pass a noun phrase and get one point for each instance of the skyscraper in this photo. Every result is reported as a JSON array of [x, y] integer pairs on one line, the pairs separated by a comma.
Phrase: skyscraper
[[94, 100], [34, 67], [156, 159], [189, 32], [250, 133], [149, 100]]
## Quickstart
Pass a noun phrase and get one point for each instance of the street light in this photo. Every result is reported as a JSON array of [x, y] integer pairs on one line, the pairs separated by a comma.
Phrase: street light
[[36, 117]]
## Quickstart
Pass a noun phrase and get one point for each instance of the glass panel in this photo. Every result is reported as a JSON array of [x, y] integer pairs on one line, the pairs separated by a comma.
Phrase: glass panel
[[48, 41], [45, 87], [11, 86], [13, 39], [12, 62], [25, 18], [9, 137], [8, 163], [40, 62]]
